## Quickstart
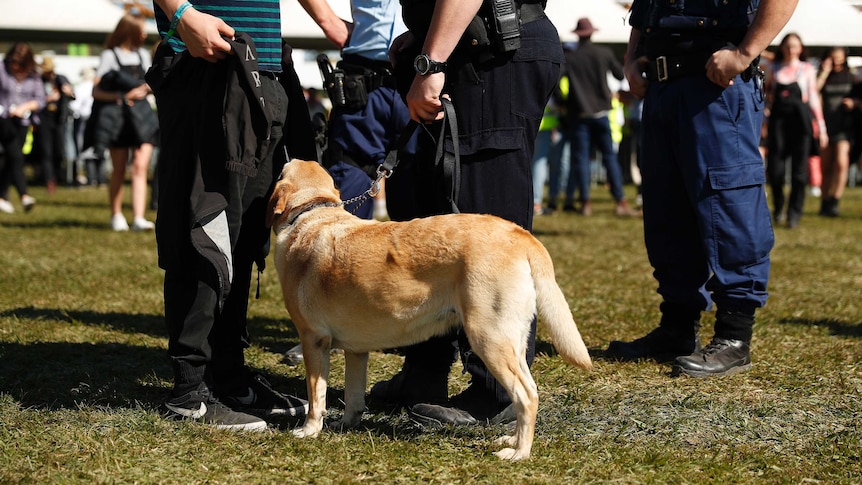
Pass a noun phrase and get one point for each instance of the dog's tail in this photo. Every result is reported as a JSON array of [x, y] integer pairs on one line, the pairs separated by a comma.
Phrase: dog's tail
[[554, 311]]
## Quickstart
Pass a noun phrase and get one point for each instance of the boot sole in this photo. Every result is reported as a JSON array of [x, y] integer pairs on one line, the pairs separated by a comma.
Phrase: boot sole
[[679, 371]]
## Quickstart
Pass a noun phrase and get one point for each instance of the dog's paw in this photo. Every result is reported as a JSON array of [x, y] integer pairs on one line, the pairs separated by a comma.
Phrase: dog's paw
[[306, 432], [508, 440], [512, 454]]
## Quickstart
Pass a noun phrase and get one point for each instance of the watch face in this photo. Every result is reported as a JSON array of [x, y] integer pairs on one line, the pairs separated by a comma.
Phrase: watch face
[[422, 64]]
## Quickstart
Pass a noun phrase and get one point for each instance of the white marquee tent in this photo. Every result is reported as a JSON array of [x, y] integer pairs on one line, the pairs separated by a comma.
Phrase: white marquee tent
[[825, 23], [819, 22]]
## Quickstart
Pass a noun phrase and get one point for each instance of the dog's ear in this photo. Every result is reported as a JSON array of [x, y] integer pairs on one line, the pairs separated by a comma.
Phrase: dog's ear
[[275, 207], [277, 203]]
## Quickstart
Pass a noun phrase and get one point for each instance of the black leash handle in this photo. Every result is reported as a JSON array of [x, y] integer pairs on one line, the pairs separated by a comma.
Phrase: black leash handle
[[451, 161]]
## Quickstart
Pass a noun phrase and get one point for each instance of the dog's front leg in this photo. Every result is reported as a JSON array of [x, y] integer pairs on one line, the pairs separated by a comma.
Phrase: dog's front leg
[[315, 354], [355, 380]]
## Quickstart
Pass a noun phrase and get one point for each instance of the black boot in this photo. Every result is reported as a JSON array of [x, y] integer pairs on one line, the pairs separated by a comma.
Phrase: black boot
[[676, 335], [828, 207], [729, 351], [722, 357], [424, 377], [476, 405], [832, 210], [410, 386]]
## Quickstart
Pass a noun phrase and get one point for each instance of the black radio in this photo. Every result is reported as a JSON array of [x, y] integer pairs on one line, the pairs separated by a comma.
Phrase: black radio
[[505, 25]]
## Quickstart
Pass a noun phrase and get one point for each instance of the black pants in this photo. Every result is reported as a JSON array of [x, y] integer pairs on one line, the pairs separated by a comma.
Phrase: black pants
[[12, 170], [205, 315], [789, 137], [50, 141]]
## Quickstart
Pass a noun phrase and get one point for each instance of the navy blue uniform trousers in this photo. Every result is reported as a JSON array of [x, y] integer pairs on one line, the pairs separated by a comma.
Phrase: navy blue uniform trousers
[[707, 226]]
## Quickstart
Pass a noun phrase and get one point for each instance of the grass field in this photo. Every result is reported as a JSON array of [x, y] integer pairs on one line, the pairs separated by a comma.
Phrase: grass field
[[83, 371]]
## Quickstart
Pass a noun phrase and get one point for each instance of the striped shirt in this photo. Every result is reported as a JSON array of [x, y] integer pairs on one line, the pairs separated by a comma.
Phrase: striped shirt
[[261, 19]]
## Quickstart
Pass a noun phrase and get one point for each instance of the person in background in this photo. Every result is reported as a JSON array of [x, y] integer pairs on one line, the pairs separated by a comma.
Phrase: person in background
[[587, 109], [125, 52], [706, 221], [835, 82], [792, 101], [559, 159], [82, 107], [548, 148], [217, 71], [50, 138], [315, 103], [436, 60], [22, 96], [854, 104]]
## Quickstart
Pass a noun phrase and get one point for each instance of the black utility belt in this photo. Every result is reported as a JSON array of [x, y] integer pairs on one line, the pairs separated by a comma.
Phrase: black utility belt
[[352, 83], [668, 68]]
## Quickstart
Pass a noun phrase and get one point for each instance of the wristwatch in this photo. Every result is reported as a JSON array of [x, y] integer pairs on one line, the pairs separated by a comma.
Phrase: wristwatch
[[425, 65]]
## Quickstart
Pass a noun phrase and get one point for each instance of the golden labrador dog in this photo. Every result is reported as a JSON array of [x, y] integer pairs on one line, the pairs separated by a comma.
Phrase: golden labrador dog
[[363, 285]]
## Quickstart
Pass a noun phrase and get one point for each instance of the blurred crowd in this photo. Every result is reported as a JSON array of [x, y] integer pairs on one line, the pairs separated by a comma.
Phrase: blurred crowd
[[811, 135]]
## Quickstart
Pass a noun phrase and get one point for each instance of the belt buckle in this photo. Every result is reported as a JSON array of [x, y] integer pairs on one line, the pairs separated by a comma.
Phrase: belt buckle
[[661, 68]]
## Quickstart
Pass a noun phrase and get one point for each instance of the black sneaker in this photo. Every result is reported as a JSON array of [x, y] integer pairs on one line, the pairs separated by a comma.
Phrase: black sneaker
[[200, 405], [408, 387], [660, 345], [722, 357], [261, 398]]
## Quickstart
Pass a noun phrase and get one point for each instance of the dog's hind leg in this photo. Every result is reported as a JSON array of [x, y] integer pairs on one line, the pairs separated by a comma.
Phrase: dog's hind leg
[[525, 399], [504, 356], [315, 354], [355, 381]]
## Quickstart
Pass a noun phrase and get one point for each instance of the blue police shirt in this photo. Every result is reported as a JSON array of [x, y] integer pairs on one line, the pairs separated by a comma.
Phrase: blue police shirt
[[376, 23]]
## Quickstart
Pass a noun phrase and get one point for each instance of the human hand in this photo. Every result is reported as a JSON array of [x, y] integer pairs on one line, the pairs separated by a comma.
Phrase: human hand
[[423, 99], [137, 93], [202, 34], [18, 111], [634, 71], [725, 64]]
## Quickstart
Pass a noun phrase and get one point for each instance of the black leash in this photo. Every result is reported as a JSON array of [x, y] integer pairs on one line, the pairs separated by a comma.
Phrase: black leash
[[450, 161]]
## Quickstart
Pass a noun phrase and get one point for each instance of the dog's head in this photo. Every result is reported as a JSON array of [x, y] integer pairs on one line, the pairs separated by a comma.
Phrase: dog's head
[[301, 185]]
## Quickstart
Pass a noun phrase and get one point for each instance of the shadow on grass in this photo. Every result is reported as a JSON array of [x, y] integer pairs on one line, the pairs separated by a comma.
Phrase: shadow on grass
[[843, 329], [57, 375], [272, 335], [395, 423], [53, 375], [60, 375], [153, 325]]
